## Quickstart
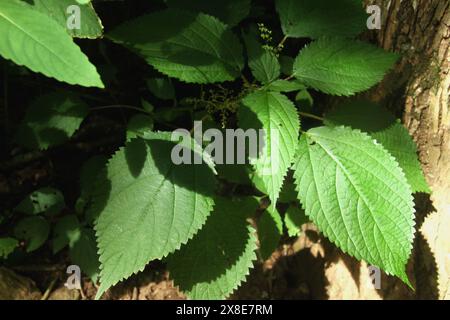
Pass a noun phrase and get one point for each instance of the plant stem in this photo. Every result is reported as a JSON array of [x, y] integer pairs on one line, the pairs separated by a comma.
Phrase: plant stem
[[49, 289], [119, 106], [281, 44], [312, 116], [289, 78], [246, 82]]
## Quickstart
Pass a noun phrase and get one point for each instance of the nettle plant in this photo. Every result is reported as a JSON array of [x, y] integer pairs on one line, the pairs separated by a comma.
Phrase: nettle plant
[[351, 172]]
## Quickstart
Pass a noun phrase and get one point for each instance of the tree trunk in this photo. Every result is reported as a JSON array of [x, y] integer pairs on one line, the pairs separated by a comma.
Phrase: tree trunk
[[418, 91], [420, 30]]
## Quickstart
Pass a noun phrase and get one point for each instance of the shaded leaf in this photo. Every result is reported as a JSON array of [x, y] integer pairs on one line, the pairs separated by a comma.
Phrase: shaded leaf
[[46, 200], [230, 12], [83, 253], [191, 47], [148, 206], [162, 88], [66, 232], [7, 246], [319, 18], [270, 230], [34, 230], [293, 220], [51, 120], [215, 262]]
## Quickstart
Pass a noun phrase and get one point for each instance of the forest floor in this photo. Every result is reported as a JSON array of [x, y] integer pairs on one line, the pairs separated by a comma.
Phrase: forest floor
[[282, 276]]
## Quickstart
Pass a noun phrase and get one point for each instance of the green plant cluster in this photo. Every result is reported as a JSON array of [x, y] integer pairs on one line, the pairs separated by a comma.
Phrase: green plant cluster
[[352, 171]]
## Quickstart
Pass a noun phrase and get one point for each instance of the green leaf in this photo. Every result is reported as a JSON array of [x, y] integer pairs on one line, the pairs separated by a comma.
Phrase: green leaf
[[147, 106], [89, 172], [357, 195], [342, 67], [383, 127], [363, 115], [285, 86], [66, 232], [230, 12], [235, 173], [277, 116], [193, 48], [148, 206], [32, 39], [161, 88], [319, 18], [287, 65], [7, 246], [263, 63], [90, 24], [215, 262], [399, 143], [138, 125], [51, 120], [304, 101], [293, 220], [83, 253], [266, 67], [81, 241], [34, 230], [288, 193], [186, 144], [46, 200], [270, 230]]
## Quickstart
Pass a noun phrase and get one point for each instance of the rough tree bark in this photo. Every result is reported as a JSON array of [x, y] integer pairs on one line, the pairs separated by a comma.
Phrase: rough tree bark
[[421, 31], [418, 91]]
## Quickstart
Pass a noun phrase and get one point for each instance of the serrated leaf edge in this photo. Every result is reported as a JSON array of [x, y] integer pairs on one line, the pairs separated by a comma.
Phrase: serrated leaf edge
[[253, 239], [411, 200], [101, 291]]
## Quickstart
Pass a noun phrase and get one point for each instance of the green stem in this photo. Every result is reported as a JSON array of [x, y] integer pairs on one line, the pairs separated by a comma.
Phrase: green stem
[[281, 44], [312, 116], [289, 78]]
